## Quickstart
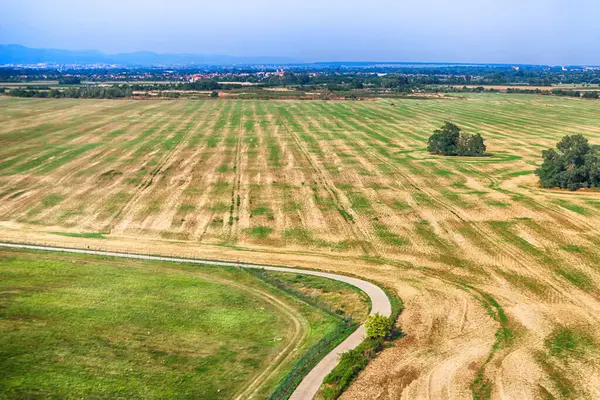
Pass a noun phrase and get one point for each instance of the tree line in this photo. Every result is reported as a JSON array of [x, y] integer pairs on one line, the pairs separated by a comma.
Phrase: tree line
[[535, 75], [592, 94], [203, 85], [85, 92]]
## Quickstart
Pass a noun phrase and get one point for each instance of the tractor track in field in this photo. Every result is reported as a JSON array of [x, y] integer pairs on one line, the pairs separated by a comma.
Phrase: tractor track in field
[[323, 179], [146, 185], [308, 387]]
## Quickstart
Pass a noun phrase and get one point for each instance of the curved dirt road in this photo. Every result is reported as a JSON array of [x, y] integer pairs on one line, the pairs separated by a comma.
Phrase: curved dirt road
[[309, 386]]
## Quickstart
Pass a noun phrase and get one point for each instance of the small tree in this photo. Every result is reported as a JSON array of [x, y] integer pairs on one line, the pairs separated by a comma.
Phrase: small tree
[[214, 94], [378, 326]]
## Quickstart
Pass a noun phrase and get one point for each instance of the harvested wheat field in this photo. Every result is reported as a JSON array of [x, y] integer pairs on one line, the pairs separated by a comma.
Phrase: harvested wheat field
[[499, 278]]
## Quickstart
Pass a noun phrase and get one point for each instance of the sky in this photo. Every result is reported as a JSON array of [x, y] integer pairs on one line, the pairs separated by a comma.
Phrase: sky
[[470, 31]]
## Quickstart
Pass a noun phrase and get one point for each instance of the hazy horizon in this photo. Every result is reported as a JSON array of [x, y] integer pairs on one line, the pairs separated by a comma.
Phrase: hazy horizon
[[462, 31]]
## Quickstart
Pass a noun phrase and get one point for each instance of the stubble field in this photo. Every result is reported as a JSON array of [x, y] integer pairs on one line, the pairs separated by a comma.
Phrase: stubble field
[[499, 278]]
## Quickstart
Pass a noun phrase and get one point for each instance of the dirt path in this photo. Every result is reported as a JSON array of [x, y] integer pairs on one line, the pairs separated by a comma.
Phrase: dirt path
[[309, 386], [301, 328]]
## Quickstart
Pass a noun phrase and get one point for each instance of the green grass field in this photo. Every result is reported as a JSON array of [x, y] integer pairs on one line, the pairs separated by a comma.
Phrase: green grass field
[[92, 327], [342, 298]]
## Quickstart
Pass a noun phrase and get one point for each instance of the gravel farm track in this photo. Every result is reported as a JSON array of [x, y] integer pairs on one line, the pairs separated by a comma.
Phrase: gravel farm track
[[500, 279], [309, 386]]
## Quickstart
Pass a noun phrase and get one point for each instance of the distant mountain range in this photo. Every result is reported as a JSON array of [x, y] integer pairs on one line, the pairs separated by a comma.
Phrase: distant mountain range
[[17, 54]]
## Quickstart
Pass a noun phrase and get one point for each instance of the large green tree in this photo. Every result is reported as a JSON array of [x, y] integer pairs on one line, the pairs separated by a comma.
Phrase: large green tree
[[574, 164], [450, 141], [445, 140]]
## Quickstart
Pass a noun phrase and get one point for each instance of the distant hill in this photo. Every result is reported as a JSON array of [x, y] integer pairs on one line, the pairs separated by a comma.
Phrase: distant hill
[[17, 54]]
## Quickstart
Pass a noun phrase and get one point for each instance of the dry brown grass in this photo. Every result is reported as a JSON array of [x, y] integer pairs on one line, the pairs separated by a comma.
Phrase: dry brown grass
[[473, 246]]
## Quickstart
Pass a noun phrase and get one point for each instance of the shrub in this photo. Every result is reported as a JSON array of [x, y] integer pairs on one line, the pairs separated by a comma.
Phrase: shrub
[[350, 365], [353, 361], [378, 326]]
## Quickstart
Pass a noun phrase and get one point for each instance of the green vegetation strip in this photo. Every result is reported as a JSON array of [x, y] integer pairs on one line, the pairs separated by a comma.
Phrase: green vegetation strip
[[564, 345], [482, 388], [354, 361], [88, 235]]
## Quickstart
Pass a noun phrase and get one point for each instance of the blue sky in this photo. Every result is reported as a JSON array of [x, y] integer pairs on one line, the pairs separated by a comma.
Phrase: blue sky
[[502, 31]]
